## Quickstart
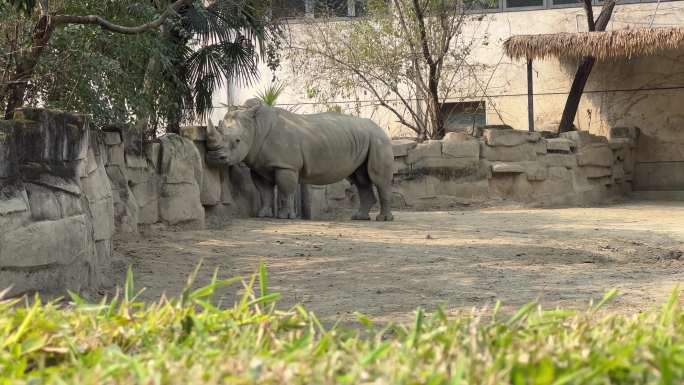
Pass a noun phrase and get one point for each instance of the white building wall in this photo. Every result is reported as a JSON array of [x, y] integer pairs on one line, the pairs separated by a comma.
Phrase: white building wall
[[643, 92]]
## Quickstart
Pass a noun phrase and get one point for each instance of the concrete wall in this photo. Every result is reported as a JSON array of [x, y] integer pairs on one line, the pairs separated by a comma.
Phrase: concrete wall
[[643, 92], [66, 189], [500, 164]]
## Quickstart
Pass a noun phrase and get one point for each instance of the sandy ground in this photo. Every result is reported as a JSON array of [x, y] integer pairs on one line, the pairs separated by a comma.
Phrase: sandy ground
[[459, 259]]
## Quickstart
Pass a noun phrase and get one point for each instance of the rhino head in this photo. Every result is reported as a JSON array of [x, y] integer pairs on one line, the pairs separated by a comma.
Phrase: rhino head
[[230, 142]]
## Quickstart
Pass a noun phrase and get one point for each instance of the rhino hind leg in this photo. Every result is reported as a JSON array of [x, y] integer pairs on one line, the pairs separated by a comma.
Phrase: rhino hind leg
[[366, 195], [380, 172], [367, 198], [385, 193], [265, 189], [287, 181]]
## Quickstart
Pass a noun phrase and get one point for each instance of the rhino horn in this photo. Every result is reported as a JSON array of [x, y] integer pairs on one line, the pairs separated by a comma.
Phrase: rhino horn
[[214, 137]]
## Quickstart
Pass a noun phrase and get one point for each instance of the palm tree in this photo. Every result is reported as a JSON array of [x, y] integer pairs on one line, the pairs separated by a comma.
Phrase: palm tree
[[215, 44], [203, 45]]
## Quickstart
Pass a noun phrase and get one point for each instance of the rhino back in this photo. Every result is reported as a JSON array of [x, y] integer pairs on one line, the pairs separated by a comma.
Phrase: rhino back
[[331, 146]]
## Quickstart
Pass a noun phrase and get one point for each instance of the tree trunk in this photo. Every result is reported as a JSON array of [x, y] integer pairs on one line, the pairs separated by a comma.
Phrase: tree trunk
[[16, 93], [26, 64], [174, 115], [433, 105], [575, 95], [436, 119], [585, 67]]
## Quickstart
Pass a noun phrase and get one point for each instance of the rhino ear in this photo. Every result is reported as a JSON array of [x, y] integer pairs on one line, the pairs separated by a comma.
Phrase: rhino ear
[[214, 137]]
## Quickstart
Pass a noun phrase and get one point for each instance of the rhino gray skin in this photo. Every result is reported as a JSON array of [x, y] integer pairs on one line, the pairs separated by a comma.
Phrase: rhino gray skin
[[284, 149]]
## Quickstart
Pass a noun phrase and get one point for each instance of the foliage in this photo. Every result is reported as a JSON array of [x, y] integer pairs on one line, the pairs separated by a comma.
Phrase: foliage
[[222, 41], [92, 71], [24, 6], [193, 340], [162, 77], [335, 108], [271, 93], [406, 56]]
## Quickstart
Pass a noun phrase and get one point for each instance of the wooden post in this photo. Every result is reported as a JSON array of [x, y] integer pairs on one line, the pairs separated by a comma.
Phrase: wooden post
[[530, 96]]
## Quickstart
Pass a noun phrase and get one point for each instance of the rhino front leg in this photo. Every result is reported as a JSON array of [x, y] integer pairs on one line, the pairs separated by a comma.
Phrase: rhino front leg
[[287, 181], [265, 189]]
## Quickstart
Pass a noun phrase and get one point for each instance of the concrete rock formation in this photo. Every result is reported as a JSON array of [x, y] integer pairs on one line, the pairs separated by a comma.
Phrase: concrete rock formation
[[66, 189], [496, 163], [56, 205]]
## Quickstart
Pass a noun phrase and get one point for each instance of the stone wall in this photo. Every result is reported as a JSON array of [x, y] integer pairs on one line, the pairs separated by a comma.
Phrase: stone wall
[[67, 189], [56, 203], [168, 182], [500, 163]]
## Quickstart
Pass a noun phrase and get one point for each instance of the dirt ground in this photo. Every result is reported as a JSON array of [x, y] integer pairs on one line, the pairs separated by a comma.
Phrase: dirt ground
[[459, 259]]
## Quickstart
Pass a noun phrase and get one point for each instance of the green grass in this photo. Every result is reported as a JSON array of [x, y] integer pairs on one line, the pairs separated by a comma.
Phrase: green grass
[[190, 340]]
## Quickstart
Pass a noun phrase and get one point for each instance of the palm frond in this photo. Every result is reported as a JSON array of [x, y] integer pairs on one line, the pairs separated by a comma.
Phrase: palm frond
[[228, 38], [271, 93]]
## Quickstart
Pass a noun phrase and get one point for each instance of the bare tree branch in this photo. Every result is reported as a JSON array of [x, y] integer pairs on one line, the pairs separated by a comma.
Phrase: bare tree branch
[[413, 55], [42, 33], [109, 26]]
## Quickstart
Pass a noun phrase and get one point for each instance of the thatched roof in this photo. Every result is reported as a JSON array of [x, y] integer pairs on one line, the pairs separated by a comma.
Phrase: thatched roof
[[623, 43]]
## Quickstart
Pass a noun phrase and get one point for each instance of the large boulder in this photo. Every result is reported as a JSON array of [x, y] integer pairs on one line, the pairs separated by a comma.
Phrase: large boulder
[[60, 242], [510, 138], [147, 196], [508, 168], [535, 171], [51, 136], [560, 145], [595, 154], [519, 153], [98, 192], [13, 203], [43, 203], [559, 160], [8, 156], [401, 147], [583, 138], [181, 180], [210, 192], [427, 149], [125, 205], [458, 145]]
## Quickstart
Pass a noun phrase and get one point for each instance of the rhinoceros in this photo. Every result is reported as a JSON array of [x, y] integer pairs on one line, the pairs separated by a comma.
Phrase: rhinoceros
[[282, 148]]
